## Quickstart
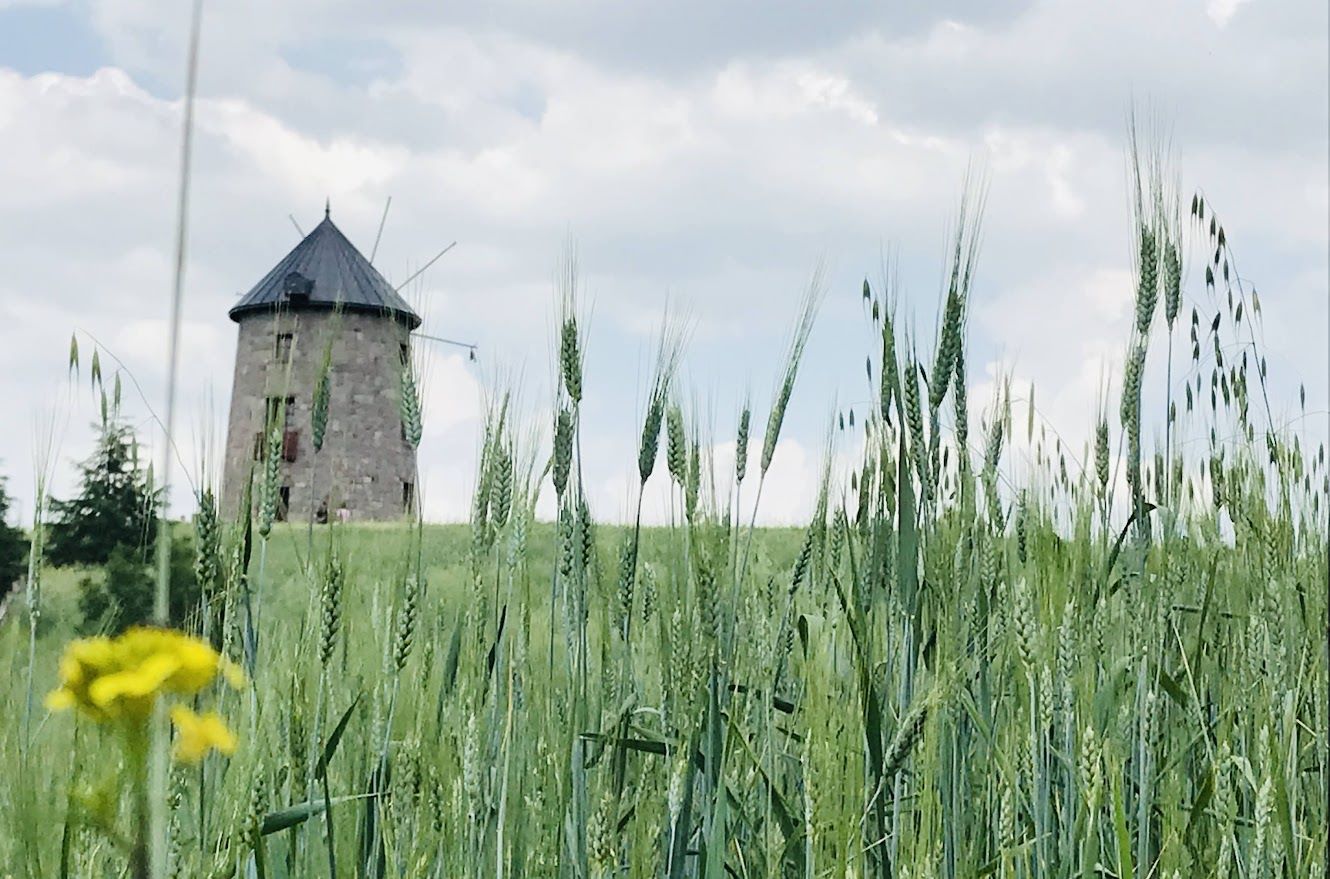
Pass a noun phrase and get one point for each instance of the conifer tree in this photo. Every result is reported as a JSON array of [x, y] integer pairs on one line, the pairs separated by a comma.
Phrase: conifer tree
[[115, 505]]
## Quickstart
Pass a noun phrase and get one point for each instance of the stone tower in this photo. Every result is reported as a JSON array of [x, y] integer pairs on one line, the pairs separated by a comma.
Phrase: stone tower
[[323, 292]]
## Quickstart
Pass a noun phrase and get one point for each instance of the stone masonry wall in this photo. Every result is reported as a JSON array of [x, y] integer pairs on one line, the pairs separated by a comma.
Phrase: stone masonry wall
[[364, 462]]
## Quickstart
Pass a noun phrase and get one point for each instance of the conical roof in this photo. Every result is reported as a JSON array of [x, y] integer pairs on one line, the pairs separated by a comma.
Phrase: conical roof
[[323, 271]]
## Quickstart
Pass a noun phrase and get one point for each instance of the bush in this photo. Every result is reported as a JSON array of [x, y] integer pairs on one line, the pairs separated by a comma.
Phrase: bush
[[123, 595]]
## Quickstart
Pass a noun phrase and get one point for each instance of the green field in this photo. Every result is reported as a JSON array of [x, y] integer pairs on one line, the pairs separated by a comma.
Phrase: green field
[[987, 654], [368, 552]]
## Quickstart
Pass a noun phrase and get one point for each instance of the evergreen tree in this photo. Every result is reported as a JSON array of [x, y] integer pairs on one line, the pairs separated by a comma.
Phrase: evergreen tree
[[115, 506], [13, 545]]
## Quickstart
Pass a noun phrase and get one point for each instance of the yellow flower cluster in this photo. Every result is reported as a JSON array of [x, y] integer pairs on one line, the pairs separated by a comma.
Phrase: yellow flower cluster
[[118, 680], [199, 734]]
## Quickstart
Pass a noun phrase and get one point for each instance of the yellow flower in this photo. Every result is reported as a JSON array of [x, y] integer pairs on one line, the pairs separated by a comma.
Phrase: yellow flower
[[199, 734], [84, 662], [130, 693], [120, 679], [192, 663]]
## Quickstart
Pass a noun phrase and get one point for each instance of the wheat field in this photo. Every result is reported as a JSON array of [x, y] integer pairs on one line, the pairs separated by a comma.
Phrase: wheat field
[[986, 654]]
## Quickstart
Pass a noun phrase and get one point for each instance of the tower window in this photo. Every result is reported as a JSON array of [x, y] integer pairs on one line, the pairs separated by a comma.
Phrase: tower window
[[282, 350], [408, 496], [286, 406], [404, 353], [289, 439], [297, 288], [290, 445], [283, 502]]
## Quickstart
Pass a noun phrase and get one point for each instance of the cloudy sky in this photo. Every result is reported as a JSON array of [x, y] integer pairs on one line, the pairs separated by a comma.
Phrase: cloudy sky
[[704, 154]]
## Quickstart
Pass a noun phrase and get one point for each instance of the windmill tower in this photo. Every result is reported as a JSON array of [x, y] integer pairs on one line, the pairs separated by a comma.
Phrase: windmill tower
[[323, 295]]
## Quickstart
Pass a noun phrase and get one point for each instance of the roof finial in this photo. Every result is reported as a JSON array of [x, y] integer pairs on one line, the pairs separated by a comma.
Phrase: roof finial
[[327, 208]]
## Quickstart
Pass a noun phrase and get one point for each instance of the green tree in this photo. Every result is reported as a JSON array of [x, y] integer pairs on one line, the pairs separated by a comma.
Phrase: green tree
[[115, 506], [121, 594], [13, 545]]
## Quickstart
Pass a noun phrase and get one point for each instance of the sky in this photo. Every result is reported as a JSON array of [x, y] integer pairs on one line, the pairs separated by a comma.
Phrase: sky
[[703, 158]]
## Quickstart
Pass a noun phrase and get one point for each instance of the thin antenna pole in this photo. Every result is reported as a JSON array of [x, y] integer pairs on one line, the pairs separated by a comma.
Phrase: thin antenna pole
[[382, 220], [425, 266], [292, 218]]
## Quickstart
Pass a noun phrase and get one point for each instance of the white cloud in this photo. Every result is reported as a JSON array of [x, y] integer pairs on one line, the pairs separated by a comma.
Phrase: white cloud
[[1221, 12], [743, 91], [343, 165]]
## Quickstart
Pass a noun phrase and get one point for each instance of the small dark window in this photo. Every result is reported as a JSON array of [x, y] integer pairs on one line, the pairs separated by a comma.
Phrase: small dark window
[[282, 351], [408, 496], [283, 502], [275, 405], [404, 353], [297, 288], [290, 445]]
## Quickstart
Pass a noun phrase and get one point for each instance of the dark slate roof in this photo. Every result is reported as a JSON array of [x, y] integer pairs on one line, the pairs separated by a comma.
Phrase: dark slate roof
[[322, 271]]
